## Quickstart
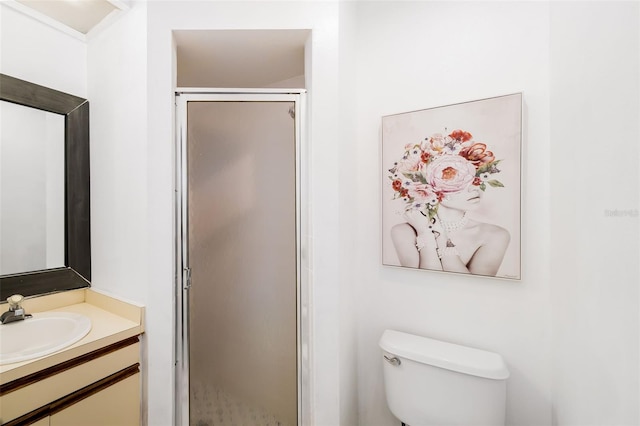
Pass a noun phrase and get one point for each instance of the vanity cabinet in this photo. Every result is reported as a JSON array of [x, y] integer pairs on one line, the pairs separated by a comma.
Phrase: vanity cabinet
[[101, 387], [94, 382]]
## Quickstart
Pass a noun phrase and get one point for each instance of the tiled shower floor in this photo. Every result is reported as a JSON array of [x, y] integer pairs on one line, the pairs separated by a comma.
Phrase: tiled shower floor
[[212, 406]]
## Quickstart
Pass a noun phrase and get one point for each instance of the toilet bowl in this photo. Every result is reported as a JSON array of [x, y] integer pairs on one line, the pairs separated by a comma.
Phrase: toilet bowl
[[433, 383]]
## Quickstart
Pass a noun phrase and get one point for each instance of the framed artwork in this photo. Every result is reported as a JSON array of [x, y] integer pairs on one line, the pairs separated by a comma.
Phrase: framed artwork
[[451, 188]]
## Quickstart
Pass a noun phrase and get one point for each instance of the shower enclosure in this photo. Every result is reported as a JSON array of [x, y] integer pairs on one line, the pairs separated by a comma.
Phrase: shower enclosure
[[239, 325]]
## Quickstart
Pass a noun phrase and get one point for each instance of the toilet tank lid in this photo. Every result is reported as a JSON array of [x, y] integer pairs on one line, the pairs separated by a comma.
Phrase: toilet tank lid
[[450, 356]]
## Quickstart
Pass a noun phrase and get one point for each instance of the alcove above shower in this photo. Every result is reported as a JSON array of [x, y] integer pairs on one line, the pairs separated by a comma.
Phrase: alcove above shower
[[241, 58]]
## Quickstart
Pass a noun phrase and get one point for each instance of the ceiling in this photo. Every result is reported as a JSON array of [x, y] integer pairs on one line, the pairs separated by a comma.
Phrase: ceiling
[[76, 17], [239, 58]]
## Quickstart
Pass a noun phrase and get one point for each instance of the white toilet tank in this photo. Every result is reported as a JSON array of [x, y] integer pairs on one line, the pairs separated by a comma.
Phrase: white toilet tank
[[430, 382]]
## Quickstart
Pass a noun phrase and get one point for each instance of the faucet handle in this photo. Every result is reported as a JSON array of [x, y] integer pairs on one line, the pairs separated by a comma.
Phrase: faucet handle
[[15, 301]]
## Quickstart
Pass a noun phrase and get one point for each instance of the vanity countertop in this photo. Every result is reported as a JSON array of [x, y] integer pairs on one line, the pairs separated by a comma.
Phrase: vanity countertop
[[112, 320]]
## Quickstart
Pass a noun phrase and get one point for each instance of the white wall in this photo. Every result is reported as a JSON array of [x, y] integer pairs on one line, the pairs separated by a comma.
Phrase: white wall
[[41, 54], [117, 92], [595, 129], [569, 331], [117, 87], [348, 363], [416, 55]]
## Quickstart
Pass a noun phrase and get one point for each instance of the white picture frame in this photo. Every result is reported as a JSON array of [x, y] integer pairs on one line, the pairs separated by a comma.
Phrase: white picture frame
[[451, 188]]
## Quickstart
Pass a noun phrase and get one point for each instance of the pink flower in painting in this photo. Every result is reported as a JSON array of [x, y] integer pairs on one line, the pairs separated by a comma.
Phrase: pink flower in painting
[[440, 164], [421, 192], [409, 164], [437, 142], [450, 173]]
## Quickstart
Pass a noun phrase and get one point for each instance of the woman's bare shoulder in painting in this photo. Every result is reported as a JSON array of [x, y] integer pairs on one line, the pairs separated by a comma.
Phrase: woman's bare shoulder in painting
[[491, 242], [403, 236]]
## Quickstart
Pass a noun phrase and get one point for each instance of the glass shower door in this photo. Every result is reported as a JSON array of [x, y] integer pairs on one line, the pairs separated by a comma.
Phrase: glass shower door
[[241, 215]]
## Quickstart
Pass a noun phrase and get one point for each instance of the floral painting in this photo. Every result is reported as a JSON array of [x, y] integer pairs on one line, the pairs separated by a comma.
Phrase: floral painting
[[451, 188]]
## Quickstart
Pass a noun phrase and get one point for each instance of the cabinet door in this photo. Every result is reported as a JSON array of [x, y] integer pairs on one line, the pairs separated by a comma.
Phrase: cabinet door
[[118, 404]]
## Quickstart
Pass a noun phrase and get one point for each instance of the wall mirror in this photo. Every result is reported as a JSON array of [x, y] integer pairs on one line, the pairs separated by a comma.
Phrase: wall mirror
[[45, 240]]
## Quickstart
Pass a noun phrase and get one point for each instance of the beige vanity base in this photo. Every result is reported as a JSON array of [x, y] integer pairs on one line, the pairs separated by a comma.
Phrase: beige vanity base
[[93, 382], [99, 408]]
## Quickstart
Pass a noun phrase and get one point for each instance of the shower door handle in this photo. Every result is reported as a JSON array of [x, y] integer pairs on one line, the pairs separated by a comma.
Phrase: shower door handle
[[186, 278]]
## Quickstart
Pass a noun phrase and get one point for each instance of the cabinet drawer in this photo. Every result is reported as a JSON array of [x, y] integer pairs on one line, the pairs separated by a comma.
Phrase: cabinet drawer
[[118, 404], [16, 401]]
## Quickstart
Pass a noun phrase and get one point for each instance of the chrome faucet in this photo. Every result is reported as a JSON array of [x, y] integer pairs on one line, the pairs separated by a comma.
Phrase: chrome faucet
[[15, 312]]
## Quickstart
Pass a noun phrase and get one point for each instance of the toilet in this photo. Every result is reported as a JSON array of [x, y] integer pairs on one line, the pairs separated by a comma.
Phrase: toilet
[[430, 382]]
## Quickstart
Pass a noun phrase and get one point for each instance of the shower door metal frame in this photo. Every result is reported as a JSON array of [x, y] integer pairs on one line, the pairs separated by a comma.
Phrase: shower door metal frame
[[182, 277]]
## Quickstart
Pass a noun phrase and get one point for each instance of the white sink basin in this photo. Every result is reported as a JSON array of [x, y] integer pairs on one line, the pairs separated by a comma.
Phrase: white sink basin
[[41, 335]]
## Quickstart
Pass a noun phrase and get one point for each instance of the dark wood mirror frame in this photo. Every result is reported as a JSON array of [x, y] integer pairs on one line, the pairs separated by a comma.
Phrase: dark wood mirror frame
[[77, 270]]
